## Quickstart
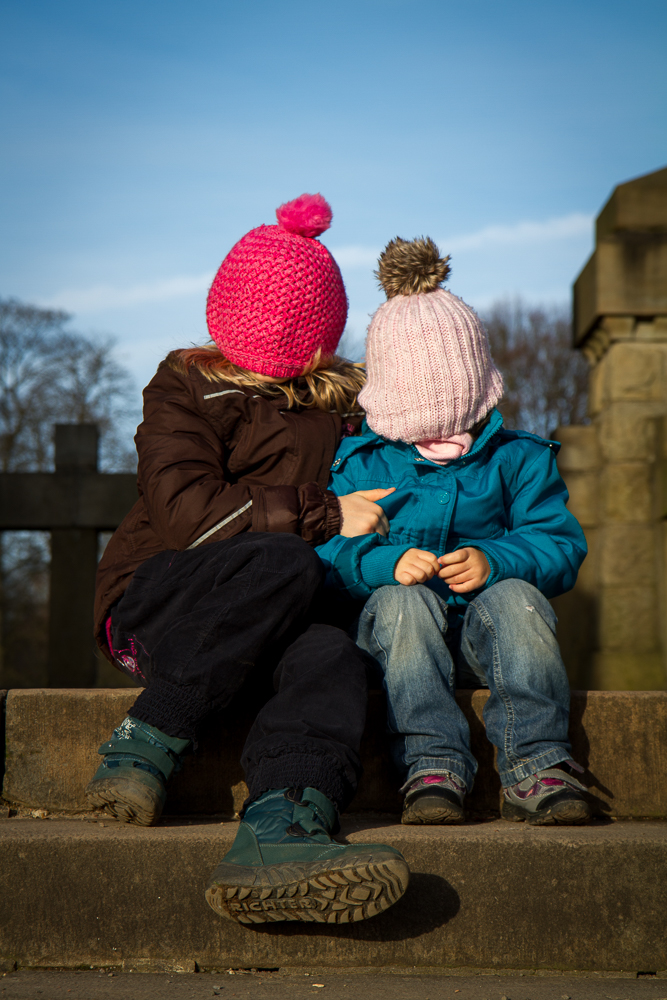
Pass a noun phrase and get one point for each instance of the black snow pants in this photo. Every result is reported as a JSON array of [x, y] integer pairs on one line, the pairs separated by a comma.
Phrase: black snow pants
[[193, 626]]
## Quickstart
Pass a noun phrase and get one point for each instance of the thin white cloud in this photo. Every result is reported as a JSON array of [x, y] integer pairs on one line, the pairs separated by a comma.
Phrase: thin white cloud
[[102, 297], [99, 297], [565, 227], [520, 233]]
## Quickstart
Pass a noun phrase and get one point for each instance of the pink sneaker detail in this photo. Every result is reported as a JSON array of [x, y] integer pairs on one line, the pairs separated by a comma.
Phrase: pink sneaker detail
[[447, 780]]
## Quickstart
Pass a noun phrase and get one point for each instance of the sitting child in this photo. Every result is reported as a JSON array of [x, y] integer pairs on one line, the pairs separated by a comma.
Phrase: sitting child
[[480, 537]]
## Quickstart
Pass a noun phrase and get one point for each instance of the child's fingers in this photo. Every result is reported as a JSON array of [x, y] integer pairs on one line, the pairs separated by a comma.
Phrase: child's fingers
[[451, 558], [415, 566], [465, 578], [448, 573], [361, 516], [422, 557], [428, 559], [375, 495], [420, 572], [383, 525], [428, 564], [465, 588], [462, 572], [472, 579]]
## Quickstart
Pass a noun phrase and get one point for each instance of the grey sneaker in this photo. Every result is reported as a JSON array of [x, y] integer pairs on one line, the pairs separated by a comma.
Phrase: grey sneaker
[[548, 797], [434, 799]]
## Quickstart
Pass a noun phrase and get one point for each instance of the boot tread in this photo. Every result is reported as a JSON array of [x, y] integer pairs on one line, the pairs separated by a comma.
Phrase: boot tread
[[127, 800], [309, 895]]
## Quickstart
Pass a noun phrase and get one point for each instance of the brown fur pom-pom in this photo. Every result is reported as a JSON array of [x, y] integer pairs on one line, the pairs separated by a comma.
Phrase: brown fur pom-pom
[[407, 267]]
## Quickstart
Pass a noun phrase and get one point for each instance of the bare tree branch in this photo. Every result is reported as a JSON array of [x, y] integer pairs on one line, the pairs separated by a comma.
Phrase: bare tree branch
[[546, 380], [48, 375]]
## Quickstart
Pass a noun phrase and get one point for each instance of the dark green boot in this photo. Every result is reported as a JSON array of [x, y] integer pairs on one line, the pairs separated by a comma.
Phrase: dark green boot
[[131, 781], [283, 865]]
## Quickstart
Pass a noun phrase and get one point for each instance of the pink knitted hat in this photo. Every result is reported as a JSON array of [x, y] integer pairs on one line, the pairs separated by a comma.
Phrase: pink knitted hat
[[430, 371], [278, 295]]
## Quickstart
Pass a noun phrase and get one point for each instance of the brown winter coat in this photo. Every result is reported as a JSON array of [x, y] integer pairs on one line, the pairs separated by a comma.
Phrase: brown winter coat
[[216, 459]]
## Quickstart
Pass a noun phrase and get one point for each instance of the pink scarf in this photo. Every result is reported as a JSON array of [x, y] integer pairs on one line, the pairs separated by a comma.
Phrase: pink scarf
[[444, 451]]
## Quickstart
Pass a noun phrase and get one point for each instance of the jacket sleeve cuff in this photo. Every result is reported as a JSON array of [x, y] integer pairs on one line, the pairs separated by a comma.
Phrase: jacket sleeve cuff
[[333, 515], [276, 508], [319, 514], [378, 565]]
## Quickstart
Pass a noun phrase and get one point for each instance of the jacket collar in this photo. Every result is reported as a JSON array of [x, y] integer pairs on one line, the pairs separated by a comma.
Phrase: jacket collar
[[368, 438], [494, 425]]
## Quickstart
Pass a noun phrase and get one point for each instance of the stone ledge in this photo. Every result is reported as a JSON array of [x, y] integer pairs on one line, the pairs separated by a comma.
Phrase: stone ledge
[[489, 896], [53, 735]]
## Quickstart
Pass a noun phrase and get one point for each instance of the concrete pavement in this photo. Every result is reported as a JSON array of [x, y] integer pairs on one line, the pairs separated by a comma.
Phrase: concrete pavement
[[351, 985]]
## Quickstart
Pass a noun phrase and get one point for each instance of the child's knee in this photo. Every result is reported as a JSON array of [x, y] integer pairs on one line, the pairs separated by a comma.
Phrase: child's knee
[[392, 602], [520, 599]]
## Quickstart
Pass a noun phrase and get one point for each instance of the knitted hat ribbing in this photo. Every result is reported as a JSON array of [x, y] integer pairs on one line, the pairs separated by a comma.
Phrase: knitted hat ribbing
[[430, 371], [278, 295]]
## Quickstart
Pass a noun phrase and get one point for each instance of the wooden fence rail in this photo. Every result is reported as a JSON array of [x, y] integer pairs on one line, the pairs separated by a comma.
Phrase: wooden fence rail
[[74, 503]]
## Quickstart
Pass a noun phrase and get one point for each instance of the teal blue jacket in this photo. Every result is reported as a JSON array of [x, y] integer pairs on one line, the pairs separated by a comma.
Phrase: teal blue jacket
[[504, 497]]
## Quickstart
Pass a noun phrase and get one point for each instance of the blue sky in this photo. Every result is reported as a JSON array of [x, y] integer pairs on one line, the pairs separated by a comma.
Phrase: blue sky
[[142, 139]]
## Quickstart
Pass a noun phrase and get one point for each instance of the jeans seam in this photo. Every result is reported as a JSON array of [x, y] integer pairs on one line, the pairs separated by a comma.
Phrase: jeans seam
[[379, 645], [487, 620], [378, 624], [531, 760], [422, 772]]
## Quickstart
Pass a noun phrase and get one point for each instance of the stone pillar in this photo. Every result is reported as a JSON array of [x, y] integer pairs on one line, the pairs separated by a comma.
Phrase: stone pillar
[[579, 465], [613, 622]]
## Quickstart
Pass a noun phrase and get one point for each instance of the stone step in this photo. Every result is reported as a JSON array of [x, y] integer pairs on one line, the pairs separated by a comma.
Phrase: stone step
[[488, 895], [52, 738]]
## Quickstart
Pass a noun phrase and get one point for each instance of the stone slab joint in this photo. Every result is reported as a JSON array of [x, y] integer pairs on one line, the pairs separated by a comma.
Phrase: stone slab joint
[[613, 624]]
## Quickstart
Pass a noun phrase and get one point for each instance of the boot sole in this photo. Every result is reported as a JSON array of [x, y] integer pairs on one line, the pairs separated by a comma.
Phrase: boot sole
[[128, 801], [571, 812], [312, 892], [433, 812]]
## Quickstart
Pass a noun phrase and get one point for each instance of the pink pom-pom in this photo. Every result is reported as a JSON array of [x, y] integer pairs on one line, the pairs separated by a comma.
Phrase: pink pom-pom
[[307, 215]]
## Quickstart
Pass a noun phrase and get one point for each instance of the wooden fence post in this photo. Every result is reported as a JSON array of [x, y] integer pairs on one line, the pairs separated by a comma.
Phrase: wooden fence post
[[71, 649], [74, 503]]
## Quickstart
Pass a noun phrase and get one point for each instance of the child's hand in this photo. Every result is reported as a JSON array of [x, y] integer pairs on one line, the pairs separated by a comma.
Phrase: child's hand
[[464, 570], [360, 515], [416, 566]]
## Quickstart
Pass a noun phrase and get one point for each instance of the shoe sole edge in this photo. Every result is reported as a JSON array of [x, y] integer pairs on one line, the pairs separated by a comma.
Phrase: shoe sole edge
[[571, 812], [125, 800], [310, 892], [433, 812], [432, 807]]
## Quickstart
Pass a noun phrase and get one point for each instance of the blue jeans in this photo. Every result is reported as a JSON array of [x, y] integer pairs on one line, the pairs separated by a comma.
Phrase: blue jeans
[[507, 642]]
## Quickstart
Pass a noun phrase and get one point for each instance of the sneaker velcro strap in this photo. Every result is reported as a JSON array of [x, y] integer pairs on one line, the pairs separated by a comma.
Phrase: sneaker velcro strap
[[322, 806], [142, 751], [555, 772]]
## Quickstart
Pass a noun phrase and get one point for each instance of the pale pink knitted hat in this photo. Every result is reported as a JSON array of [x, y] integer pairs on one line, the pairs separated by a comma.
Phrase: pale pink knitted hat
[[278, 295], [430, 371]]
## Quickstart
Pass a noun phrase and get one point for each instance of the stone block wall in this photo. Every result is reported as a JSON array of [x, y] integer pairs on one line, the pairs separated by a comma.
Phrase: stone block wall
[[613, 624]]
